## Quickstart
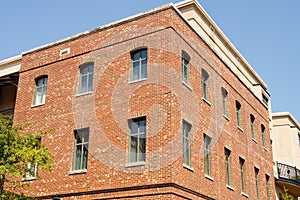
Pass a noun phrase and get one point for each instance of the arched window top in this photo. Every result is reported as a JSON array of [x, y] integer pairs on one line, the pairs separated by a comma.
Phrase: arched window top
[[86, 68], [41, 77], [185, 56], [237, 104], [224, 91], [252, 118], [263, 128], [204, 73], [137, 49]]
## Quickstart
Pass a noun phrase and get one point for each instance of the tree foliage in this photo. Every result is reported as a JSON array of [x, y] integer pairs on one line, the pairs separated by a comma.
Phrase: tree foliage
[[17, 149], [286, 195]]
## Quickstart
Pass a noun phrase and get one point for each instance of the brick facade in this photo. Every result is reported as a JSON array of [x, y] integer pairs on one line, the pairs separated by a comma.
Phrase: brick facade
[[162, 98]]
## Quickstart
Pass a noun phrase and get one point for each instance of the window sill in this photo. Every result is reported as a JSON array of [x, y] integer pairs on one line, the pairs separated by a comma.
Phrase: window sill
[[136, 164], [80, 171], [209, 177], [83, 94], [206, 101], [265, 149], [29, 179], [187, 85], [139, 80], [254, 140], [227, 118], [245, 195], [188, 167], [37, 105], [229, 187], [240, 128]]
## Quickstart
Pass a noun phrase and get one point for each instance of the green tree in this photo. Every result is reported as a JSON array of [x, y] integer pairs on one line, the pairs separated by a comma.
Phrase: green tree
[[286, 195], [17, 149]]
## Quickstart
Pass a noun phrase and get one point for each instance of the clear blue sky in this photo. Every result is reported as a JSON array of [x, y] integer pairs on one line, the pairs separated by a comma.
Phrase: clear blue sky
[[267, 33]]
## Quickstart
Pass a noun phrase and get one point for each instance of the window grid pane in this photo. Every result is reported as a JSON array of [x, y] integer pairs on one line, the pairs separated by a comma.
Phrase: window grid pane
[[86, 78], [268, 187], [224, 101], [257, 182], [139, 65], [242, 168], [185, 71], [81, 138], [186, 128], [207, 155], [263, 136], [227, 165], [137, 140], [238, 113], [252, 126], [40, 91]]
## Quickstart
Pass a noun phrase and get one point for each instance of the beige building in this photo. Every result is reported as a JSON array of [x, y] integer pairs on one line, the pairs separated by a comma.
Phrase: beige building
[[9, 76], [286, 153]]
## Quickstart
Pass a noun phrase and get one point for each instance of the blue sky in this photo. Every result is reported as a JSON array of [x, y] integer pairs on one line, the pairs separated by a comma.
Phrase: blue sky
[[267, 33]]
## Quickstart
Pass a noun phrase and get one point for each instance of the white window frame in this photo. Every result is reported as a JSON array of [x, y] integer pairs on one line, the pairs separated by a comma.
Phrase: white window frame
[[40, 92]]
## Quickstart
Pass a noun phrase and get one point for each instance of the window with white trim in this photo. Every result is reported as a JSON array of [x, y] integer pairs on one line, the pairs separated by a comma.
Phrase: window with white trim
[[185, 67], [204, 81], [138, 70], [242, 171], [252, 120], [40, 90], [207, 155], [224, 101], [86, 78], [81, 146], [186, 137], [227, 153], [137, 140]]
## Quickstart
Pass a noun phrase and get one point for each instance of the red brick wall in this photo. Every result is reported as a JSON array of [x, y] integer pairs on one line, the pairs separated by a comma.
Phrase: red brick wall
[[162, 98]]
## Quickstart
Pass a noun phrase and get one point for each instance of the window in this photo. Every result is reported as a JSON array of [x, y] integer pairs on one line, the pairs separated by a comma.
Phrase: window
[[40, 90], [139, 65], [204, 80], [207, 155], [265, 99], [185, 67], [137, 140], [227, 166], [268, 187], [224, 101], [86, 78], [263, 135], [31, 171], [186, 135], [238, 113], [242, 169], [80, 155], [256, 170], [299, 138], [252, 119]]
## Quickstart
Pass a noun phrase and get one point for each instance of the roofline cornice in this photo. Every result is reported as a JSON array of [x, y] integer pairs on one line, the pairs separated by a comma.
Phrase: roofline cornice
[[221, 36]]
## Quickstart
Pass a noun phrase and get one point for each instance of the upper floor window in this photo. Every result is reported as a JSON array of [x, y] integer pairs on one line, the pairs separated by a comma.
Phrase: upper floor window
[[252, 119], [185, 67], [207, 155], [263, 137], [80, 153], [299, 138], [40, 90], [186, 137], [224, 101], [137, 140], [86, 78], [138, 69], [238, 113], [204, 80]]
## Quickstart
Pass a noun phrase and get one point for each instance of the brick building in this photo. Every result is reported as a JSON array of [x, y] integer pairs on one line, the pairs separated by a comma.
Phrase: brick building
[[159, 105]]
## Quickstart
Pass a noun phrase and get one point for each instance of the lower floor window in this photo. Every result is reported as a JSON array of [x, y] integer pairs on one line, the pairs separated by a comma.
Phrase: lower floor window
[[137, 140], [80, 155]]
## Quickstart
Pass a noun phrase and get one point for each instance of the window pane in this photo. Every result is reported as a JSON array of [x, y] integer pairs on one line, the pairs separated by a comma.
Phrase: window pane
[[144, 53], [90, 82], [142, 147], [136, 70], [143, 126], [83, 84], [144, 69], [133, 148], [78, 157]]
